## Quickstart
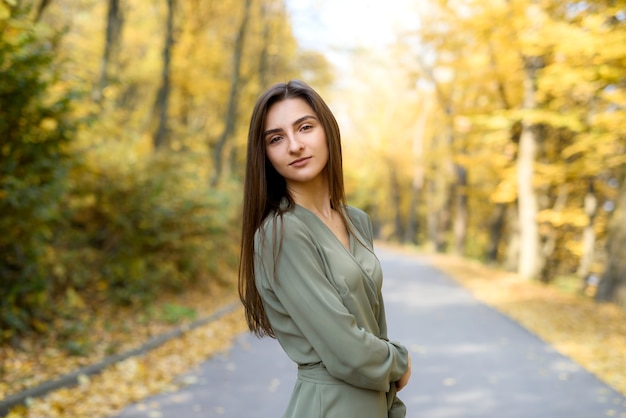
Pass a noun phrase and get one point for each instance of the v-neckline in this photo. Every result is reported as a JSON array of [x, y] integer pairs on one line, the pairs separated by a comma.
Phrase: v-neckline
[[350, 247]]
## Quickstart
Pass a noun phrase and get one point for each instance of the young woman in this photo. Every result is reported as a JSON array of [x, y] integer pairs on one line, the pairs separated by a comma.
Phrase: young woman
[[308, 275]]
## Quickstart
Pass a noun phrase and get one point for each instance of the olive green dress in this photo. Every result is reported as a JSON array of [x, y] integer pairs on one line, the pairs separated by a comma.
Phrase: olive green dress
[[325, 305]]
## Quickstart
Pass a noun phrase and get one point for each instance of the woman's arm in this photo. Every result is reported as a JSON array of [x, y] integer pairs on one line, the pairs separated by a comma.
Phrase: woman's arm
[[404, 380], [364, 225], [308, 298]]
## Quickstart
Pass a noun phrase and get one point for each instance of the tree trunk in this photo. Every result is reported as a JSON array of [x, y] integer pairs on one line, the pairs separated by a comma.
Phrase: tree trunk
[[498, 223], [461, 212], [417, 186], [436, 213], [233, 97], [588, 238], [496, 232], [41, 8], [396, 203], [441, 222], [512, 258], [529, 264], [411, 231], [550, 264], [161, 104], [264, 54], [612, 285], [446, 220], [111, 43]]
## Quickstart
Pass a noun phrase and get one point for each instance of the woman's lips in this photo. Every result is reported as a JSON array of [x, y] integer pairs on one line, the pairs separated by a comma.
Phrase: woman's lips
[[299, 162]]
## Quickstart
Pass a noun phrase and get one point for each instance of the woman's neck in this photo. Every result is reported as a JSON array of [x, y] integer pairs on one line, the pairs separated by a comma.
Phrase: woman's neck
[[314, 196]]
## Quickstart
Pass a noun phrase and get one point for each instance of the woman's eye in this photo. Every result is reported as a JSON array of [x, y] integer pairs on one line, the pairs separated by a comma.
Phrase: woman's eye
[[307, 127], [274, 139]]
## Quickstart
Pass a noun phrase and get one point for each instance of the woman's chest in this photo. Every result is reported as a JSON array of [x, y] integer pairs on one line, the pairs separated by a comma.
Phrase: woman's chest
[[357, 277]]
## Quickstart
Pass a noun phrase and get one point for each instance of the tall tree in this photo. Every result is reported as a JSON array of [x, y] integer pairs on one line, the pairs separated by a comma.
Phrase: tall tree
[[413, 223], [589, 235], [529, 261], [111, 44], [613, 282], [440, 218], [41, 9], [161, 104], [266, 36], [233, 97]]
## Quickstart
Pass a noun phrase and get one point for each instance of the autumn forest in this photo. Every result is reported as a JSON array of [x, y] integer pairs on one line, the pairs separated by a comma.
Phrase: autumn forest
[[493, 130]]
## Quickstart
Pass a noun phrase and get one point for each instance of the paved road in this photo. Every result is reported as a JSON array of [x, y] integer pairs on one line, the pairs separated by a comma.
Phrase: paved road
[[468, 361]]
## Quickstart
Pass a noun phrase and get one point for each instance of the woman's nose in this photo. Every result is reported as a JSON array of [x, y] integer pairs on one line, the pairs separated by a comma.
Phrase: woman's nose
[[295, 145]]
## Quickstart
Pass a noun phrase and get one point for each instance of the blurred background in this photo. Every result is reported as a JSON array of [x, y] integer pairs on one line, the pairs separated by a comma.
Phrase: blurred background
[[490, 129]]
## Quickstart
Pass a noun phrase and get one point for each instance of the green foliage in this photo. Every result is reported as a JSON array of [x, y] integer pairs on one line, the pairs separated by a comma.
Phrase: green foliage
[[173, 313], [103, 227], [142, 227], [34, 133]]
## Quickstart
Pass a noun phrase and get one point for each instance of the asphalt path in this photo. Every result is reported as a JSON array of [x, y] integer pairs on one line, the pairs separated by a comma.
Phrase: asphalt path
[[468, 361]]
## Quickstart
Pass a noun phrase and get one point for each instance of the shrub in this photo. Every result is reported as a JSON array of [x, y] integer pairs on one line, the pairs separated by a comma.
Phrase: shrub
[[142, 227], [34, 134]]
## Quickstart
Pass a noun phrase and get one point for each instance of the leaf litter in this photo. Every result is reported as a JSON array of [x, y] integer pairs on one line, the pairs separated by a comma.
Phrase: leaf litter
[[131, 380]]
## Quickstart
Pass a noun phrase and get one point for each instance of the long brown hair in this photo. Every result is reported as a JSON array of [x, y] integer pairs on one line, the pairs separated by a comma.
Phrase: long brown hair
[[264, 188]]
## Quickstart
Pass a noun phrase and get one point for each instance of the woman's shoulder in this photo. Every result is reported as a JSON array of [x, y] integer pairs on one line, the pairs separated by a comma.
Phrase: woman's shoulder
[[286, 218], [286, 224], [359, 217], [361, 220], [357, 214]]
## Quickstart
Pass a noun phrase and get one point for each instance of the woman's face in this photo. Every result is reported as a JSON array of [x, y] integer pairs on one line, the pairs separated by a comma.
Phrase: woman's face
[[295, 141]]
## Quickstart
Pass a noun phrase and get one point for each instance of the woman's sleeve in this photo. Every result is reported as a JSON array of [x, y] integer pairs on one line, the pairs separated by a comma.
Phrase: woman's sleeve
[[364, 225], [348, 352]]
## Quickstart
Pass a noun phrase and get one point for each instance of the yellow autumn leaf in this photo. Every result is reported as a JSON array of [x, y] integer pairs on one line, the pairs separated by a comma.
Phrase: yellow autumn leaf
[[5, 12]]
